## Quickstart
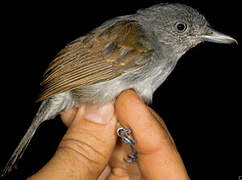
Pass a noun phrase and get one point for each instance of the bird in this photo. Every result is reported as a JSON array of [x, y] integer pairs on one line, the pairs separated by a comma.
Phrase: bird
[[136, 51]]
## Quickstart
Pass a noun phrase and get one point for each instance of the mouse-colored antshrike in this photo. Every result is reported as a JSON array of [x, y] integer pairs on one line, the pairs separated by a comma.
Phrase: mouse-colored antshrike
[[135, 51]]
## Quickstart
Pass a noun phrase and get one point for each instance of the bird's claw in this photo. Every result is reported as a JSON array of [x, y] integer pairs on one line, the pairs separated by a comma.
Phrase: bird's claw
[[126, 137]]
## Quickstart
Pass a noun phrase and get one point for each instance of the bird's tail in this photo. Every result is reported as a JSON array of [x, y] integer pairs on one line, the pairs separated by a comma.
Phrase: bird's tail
[[42, 115]]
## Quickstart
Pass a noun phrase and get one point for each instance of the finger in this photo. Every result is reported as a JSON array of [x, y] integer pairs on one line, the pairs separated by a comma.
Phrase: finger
[[86, 147], [106, 172], [68, 116], [123, 170], [163, 125], [120, 170], [156, 151]]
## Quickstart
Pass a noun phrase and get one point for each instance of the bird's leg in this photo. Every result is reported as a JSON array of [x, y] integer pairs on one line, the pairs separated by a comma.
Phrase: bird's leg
[[127, 138]]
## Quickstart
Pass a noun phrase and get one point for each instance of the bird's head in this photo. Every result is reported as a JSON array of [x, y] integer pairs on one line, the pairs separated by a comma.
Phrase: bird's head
[[181, 27]]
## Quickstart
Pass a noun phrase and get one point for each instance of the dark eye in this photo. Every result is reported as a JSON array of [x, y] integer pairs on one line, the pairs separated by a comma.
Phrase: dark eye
[[180, 27]]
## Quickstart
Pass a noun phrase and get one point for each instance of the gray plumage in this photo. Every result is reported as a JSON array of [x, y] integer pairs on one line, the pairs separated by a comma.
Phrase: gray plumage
[[136, 51]]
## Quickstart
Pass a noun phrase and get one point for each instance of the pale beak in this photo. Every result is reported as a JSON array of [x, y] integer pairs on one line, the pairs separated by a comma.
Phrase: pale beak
[[217, 37]]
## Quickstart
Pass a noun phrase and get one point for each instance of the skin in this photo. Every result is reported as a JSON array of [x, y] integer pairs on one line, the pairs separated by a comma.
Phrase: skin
[[90, 148]]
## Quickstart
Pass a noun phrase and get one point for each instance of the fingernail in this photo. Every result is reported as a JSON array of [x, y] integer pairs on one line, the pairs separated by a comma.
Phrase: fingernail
[[99, 113]]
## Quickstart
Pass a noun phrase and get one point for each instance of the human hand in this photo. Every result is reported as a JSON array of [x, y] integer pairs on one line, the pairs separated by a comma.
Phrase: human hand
[[158, 157], [89, 149]]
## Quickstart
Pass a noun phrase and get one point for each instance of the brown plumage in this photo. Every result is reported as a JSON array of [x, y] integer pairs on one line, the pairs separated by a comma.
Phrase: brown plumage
[[101, 55]]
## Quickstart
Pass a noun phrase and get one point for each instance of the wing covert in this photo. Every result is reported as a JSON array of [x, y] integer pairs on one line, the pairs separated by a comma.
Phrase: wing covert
[[101, 55]]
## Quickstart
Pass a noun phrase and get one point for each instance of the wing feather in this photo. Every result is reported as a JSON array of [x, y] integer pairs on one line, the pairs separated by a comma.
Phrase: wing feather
[[101, 55]]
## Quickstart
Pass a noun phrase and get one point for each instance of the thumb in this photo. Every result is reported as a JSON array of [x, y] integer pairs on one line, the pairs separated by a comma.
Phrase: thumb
[[86, 147]]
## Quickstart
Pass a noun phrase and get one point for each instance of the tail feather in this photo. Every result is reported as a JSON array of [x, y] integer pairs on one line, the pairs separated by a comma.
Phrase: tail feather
[[48, 110], [17, 154], [41, 116]]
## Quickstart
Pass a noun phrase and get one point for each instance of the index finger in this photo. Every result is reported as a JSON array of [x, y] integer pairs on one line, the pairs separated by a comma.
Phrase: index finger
[[157, 155]]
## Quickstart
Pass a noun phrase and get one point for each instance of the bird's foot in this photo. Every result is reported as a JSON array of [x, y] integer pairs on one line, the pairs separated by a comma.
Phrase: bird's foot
[[127, 138]]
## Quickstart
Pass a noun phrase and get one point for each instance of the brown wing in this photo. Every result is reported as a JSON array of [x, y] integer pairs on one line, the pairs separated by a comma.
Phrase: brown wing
[[101, 55]]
